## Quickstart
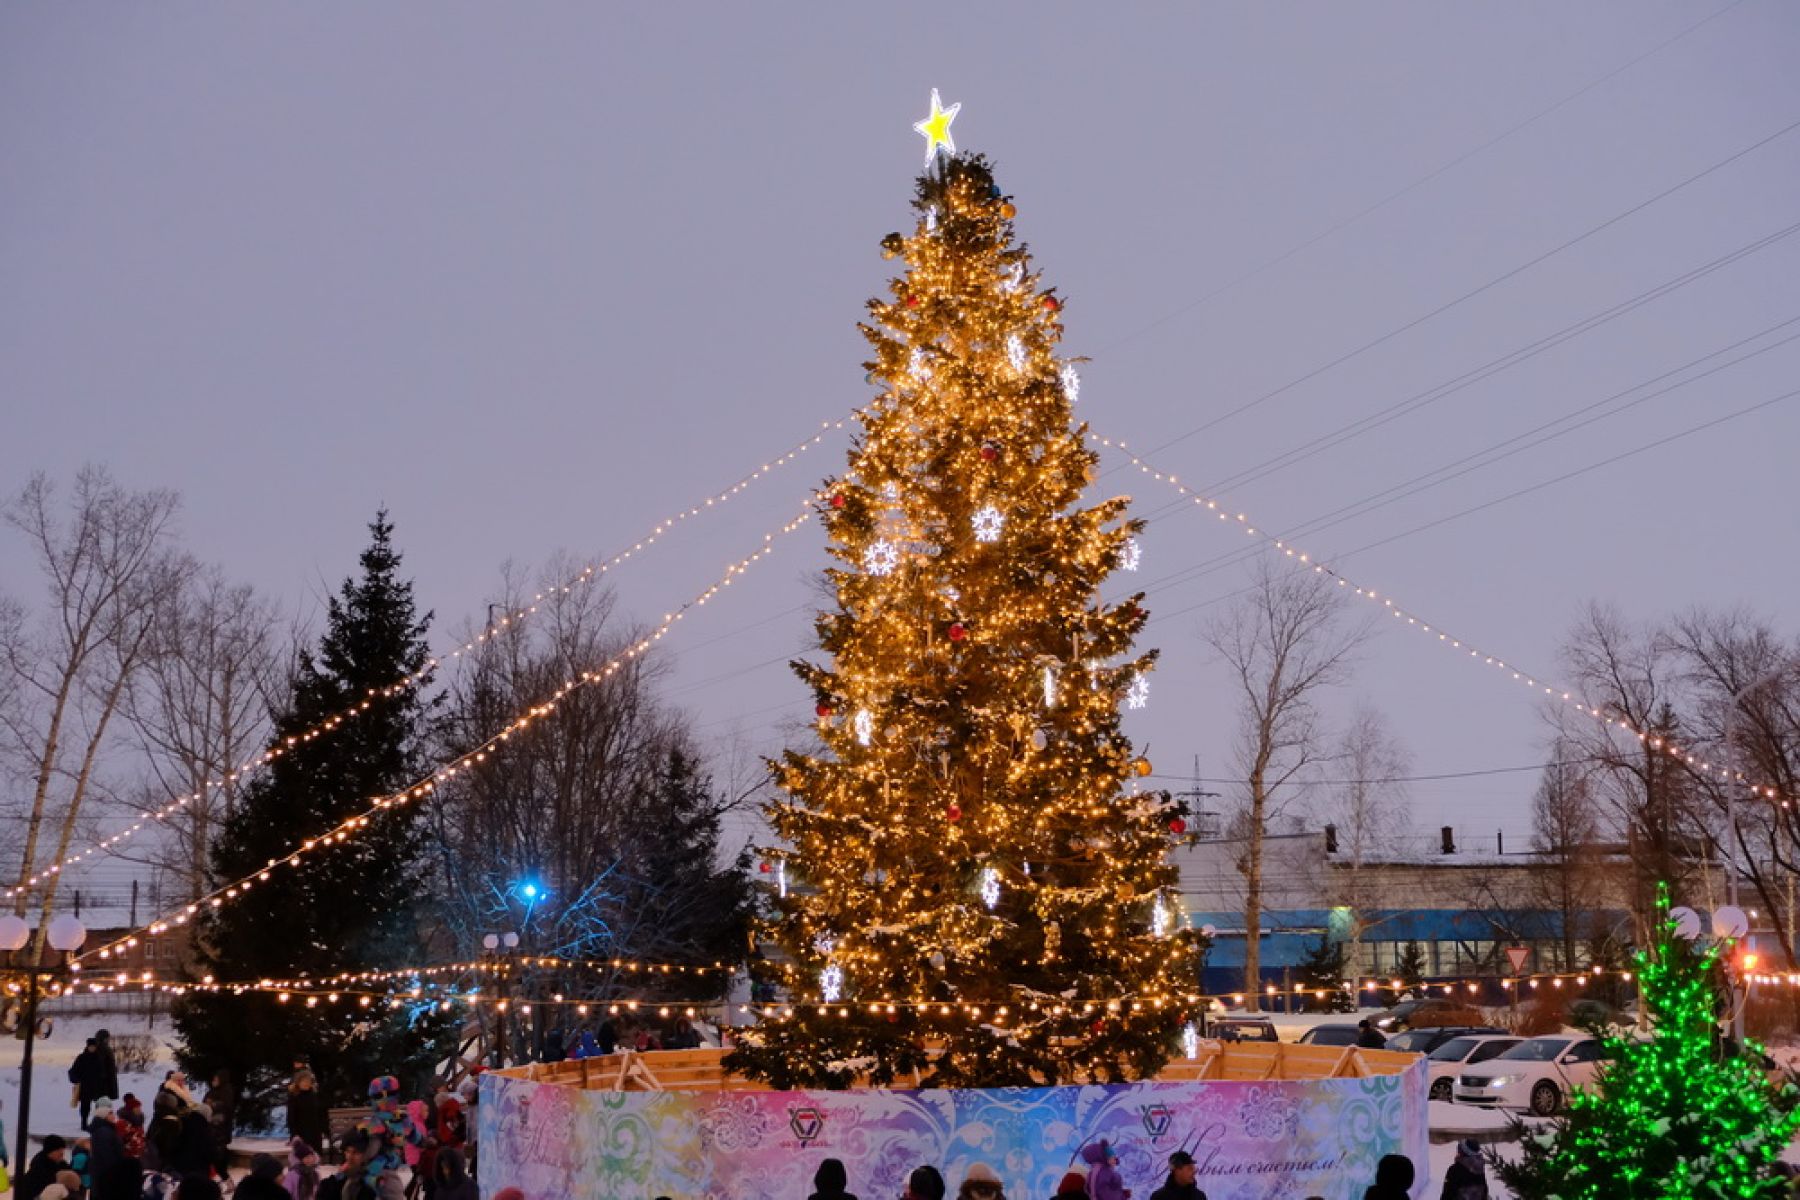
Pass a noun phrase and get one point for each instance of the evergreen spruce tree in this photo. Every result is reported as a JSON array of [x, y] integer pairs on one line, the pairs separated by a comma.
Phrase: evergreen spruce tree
[[348, 906], [1683, 1114], [1410, 969], [1322, 976], [976, 888]]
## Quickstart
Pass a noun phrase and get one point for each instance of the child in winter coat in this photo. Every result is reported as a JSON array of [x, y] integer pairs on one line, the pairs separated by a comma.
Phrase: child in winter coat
[[1104, 1181], [302, 1177]]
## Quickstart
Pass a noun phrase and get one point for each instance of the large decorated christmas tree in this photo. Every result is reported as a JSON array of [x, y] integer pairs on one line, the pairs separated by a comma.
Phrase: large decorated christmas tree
[[1683, 1113], [973, 886]]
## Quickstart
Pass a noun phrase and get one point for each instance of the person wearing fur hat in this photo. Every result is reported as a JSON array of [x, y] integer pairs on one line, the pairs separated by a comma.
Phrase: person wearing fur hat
[[1467, 1177], [831, 1182], [104, 1144], [1104, 1181], [1181, 1185], [980, 1183]]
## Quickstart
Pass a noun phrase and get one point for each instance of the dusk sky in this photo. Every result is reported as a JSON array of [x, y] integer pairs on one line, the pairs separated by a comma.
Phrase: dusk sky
[[535, 277]]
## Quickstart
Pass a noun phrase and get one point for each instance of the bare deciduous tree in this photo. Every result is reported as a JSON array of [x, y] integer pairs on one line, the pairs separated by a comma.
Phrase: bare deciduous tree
[[107, 563], [1565, 827], [1367, 809], [1632, 674], [1285, 641], [200, 707]]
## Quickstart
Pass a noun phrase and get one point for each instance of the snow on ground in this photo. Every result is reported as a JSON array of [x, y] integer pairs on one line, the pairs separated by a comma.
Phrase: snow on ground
[[51, 1111]]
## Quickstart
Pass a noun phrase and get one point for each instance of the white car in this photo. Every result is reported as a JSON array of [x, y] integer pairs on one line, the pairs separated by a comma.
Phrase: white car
[[1447, 1061], [1537, 1074]]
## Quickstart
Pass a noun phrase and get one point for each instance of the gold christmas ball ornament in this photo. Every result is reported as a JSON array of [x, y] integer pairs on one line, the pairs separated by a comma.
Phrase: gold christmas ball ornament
[[1141, 766], [1007, 210]]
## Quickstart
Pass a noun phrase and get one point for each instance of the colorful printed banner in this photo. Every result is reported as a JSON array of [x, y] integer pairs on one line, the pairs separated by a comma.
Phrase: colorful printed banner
[[1253, 1141]]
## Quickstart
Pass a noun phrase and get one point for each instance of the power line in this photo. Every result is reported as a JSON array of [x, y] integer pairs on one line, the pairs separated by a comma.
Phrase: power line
[[1474, 292], [1417, 183]]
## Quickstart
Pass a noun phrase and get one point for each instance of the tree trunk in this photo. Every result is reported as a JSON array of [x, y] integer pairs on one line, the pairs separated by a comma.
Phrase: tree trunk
[[1253, 899]]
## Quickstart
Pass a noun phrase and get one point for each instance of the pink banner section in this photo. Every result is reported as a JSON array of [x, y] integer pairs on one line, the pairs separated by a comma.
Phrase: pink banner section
[[1273, 1140]]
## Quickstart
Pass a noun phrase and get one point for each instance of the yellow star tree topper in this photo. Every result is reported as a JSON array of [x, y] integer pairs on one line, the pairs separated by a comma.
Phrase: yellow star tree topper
[[935, 129]]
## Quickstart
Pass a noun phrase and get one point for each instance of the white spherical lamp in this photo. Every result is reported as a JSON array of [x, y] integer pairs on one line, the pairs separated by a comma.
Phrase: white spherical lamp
[[14, 932], [511, 940], [1730, 922], [1686, 922], [66, 933], [491, 941]]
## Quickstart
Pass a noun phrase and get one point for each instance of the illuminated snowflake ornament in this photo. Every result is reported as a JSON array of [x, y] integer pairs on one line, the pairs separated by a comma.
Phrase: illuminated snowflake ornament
[[881, 557], [1014, 277], [1015, 351], [1131, 554], [1138, 694], [1160, 919], [1071, 382], [931, 219], [990, 888], [1190, 1041], [917, 365], [831, 983], [987, 523], [864, 725]]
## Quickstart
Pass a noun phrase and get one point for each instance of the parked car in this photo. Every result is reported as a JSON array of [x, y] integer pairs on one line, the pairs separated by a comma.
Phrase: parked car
[[1428, 1038], [1537, 1074], [1404, 1014], [1242, 1029], [1330, 1035], [1447, 1060]]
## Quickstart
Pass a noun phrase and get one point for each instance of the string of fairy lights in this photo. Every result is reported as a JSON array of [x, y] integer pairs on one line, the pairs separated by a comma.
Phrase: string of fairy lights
[[427, 784], [1414, 620], [507, 623]]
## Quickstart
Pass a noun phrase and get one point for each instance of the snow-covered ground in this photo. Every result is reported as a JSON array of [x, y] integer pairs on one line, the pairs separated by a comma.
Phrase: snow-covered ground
[[51, 1111]]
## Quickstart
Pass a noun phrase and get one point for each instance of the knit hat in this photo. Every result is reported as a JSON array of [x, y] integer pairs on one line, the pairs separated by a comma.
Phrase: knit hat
[[509, 1193], [981, 1173], [300, 1150], [1181, 1158], [1073, 1184], [103, 1107]]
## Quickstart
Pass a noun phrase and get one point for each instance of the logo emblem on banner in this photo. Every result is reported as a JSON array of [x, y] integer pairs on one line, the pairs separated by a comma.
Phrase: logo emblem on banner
[[1157, 1118], [807, 1123]]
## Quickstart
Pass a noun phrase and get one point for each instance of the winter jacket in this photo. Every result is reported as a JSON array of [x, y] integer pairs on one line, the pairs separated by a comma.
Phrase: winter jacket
[[222, 1099], [109, 1066], [1465, 1180], [1371, 1039], [38, 1176], [307, 1116], [194, 1149], [103, 1138], [301, 1182], [453, 1182], [1177, 1191], [88, 1074]]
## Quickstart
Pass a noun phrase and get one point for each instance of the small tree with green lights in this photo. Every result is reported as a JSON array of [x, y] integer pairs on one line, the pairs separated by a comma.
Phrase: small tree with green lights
[[1683, 1113]]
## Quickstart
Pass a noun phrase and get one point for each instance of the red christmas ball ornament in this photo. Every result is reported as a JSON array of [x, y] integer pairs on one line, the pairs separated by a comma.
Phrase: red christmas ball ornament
[[1052, 304], [765, 868], [990, 451], [953, 813], [958, 631], [912, 302], [837, 500], [823, 710], [1177, 826], [1099, 1026]]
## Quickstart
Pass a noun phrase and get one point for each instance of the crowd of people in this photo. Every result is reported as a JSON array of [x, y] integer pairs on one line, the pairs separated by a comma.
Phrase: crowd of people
[[1102, 1180]]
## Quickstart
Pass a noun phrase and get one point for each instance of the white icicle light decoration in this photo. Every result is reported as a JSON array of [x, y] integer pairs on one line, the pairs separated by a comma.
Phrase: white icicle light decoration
[[917, 365], [1190, 1041], [1071, 381], [1049, 687], [987, 523], [781, 878], [831, 983], [1160, 919], [990, 888], [1138, 694], [1015, 351], [864, 725], [881, 557], [1131, 555], [931, 214], [1014, 277]]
